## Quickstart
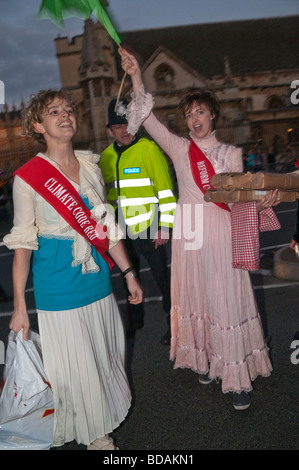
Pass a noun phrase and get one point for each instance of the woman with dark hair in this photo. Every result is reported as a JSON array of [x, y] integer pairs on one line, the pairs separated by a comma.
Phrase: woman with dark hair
[[215, 326]]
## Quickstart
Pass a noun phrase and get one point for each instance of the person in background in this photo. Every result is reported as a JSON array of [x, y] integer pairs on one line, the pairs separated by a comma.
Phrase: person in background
[[140, 189], [3, 296], [61, 217], [215, 326], [244, 159], [250, 160], [294, 245], [290, 158], [271, 159], [259, 160]]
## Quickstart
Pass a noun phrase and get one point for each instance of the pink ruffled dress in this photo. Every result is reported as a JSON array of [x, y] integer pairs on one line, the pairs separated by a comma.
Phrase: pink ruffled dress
[[215, 324]]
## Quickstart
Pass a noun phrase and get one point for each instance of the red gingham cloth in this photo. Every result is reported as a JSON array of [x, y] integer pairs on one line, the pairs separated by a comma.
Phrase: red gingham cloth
[[246, 224]]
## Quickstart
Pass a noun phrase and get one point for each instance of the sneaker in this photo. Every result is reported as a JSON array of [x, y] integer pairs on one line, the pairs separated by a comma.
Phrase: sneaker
[[204, 379], [241, 400]]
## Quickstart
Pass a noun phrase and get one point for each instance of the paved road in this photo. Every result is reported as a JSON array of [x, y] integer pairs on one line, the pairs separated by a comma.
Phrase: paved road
[[171, 411]]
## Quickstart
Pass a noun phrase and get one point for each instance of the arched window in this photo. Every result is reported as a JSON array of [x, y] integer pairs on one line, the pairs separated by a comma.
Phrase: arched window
[[164, 75], [274, 101]]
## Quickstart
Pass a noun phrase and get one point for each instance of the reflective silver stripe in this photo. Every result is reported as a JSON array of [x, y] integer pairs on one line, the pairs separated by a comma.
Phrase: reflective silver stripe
[[135, 182], [137, 201], [167, 218], [165, 193], [138, 218], [167, 207]]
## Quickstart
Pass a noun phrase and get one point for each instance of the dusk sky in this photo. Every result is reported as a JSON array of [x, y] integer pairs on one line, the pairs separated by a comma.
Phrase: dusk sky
[[27, 59]]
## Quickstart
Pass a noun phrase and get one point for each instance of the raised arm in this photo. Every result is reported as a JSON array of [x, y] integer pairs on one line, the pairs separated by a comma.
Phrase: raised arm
[[131, 67], [140, 110]]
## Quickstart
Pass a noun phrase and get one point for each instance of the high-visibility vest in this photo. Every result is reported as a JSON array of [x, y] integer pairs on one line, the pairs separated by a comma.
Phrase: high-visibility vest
[[138, 182]]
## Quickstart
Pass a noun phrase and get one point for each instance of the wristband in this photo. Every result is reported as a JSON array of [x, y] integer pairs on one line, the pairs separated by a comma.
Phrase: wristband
[[129, 270]]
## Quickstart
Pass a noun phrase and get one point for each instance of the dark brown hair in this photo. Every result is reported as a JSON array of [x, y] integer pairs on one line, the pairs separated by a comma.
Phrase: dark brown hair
[[37, 107], [197, 95]]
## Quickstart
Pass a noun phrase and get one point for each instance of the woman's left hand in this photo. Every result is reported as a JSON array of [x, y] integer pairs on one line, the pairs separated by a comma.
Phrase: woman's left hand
[[268, 201], [135, 290]]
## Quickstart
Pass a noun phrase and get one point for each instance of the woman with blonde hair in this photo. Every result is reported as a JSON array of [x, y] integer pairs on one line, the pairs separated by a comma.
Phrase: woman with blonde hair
[[61, 218]]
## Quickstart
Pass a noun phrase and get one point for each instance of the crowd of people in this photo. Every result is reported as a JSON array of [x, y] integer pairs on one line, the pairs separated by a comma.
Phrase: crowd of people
[[271, 160], [63, 221]]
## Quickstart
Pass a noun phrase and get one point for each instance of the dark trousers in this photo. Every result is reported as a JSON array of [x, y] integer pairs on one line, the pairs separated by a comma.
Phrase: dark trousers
[[157, 261]]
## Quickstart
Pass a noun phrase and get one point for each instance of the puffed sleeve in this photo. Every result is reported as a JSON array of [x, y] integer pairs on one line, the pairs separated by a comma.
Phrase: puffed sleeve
[[24, 231], [235, 157], [138, 110]]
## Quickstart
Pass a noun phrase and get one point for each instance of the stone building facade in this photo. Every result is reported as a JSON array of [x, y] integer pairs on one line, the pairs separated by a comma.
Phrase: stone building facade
[[15, 148], [252, 66]]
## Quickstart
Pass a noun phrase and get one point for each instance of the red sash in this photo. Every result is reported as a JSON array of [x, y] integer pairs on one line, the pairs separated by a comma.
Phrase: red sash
[[47, 181], [202, 171]]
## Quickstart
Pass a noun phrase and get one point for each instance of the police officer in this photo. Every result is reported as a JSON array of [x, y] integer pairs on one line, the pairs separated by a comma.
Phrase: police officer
[[140, 189]]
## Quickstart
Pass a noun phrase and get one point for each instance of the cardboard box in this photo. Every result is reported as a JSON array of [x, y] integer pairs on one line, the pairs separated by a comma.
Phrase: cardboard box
[[236, 195], [260, 180]]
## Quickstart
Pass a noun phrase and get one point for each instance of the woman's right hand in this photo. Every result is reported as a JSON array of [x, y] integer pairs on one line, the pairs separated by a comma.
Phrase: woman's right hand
[[19, 321], [129, 63]]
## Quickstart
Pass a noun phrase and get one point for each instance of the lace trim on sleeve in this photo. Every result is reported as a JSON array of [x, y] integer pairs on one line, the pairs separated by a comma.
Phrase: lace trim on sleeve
[[138, 110], [19, 238]]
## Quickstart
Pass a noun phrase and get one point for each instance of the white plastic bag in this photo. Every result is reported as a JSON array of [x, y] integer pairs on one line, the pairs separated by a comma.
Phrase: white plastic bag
[[26, 401]]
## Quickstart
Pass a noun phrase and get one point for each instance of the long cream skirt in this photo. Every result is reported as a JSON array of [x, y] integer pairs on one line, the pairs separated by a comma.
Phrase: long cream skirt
[[83, 353]]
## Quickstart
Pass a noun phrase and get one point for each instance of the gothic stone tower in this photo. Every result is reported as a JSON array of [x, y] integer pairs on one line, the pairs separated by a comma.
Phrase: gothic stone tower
[[87, 69]]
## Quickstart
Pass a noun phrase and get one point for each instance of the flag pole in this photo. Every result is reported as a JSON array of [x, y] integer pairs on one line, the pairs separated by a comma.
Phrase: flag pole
[[120, 90], [122, 83]]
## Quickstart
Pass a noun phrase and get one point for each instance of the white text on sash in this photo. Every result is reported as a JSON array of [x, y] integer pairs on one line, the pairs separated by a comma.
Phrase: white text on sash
[[68, 201]]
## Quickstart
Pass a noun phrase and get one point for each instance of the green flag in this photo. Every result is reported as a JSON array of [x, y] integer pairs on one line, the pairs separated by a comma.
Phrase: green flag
[[59, 10]]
